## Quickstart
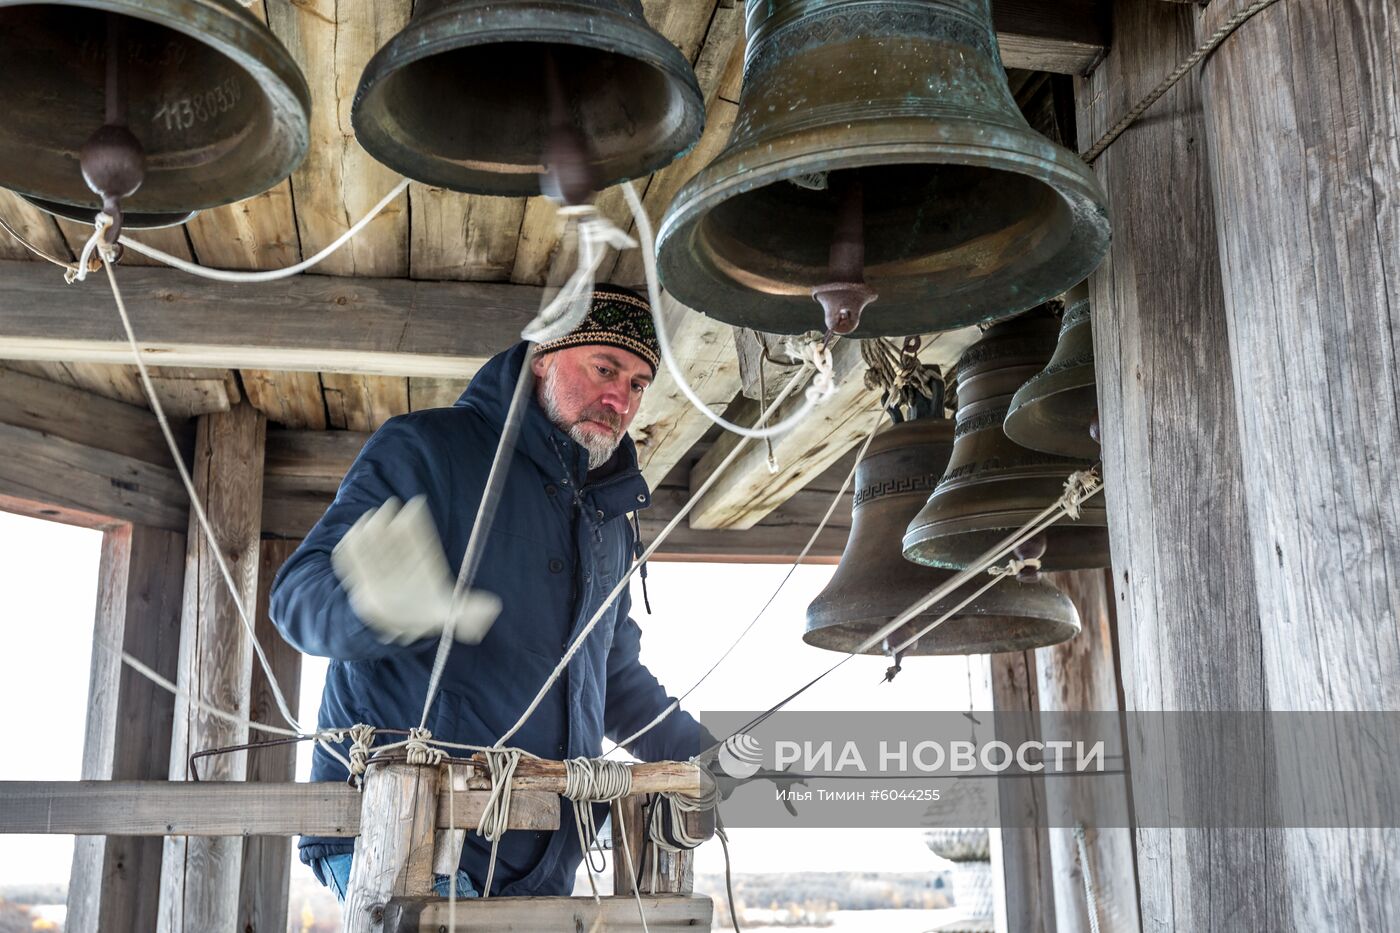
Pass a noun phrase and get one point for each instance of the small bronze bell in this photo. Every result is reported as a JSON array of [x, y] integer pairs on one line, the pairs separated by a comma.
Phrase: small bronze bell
[[874, 583], [1057, 410], [130, 221], [202, 101], [994, 486], [481, 95], [897, 111]]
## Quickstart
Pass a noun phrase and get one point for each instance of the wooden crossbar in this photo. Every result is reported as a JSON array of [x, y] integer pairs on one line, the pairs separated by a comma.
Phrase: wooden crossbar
[[617, 914]]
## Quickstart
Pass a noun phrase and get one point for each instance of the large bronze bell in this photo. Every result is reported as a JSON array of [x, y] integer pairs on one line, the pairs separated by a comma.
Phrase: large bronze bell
[[472, 94], [899, 109], [993, 485], [874, 583], [215, 102], [1057, 410]]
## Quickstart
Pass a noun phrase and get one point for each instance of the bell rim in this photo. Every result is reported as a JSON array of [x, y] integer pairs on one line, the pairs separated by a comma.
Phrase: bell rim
[[277, 75], [1033, 398], [131, 220], [663, 56], [1059, 621], [722, 179]]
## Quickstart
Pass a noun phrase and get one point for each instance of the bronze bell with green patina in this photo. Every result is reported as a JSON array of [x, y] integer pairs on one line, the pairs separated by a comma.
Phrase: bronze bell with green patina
[[873, 583], [1057, 410], [164, 106], [993, 485], [504, 96], [879, 164]]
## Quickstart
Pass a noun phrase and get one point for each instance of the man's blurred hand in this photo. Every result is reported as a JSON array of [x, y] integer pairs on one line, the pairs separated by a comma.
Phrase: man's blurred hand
[[393, 568]]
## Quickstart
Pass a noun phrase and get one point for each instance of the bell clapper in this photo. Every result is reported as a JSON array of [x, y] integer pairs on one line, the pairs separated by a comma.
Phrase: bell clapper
[[1094, 430], [896, 656], [846, 295], [113, 160], [1032, 549], [571, 176]]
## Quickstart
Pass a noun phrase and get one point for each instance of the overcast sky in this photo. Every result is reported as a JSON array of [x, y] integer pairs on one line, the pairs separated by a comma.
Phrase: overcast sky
[[48, 581]]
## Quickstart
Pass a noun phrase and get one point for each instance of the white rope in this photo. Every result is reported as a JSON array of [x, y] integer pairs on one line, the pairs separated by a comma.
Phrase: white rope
[[631, 870], [1090, 895], [821, 356], [107, 254], [811, 542], [452, 834], [495, 818], [678, 806], [590, 780], [265, 275], [636, 564], [568, 308]]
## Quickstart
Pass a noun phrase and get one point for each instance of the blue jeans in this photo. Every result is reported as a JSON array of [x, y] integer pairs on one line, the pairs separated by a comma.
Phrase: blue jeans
[[334, 872]]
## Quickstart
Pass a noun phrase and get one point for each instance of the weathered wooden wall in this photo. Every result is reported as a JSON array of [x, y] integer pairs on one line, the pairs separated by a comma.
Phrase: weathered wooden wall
[[1302, 118]]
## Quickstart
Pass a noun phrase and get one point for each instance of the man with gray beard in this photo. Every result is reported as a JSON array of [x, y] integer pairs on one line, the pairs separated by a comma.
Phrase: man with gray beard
[[372, 586]]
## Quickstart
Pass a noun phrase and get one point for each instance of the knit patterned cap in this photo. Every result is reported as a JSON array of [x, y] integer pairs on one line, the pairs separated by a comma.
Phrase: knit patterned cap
[[617, 317]]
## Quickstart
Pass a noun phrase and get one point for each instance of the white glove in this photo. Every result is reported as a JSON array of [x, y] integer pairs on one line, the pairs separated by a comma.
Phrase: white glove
[[392, 566]]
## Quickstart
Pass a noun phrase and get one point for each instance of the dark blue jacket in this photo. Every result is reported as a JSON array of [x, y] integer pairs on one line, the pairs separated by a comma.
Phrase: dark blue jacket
[[559, 543]]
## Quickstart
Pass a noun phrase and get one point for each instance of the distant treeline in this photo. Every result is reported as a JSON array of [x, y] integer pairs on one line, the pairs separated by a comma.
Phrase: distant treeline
[[860, 890], [52, 893]]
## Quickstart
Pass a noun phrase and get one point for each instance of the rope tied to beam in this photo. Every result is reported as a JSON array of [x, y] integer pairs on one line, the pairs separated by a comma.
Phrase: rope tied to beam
[[677, 806], [500, 764], [418, 751], [361, 737], [586, 781]]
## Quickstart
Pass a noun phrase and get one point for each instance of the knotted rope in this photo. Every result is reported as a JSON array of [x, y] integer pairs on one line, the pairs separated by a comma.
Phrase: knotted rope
[[495, 818], [568, 308], [417, 750], [677, 806], [1015, 566], [361, 737], [590, 780]]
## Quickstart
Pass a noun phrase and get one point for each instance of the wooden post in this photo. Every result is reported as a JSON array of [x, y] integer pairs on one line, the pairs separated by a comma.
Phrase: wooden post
[[1022, 873], [115, 883], [200, 876], [1302, 110], [394, 851], [267, 860], [1188, 630], [1081, 675], [661, 870]]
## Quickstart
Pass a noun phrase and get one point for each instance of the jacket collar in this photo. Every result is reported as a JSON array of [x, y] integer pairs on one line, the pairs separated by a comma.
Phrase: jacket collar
[[621, 489]]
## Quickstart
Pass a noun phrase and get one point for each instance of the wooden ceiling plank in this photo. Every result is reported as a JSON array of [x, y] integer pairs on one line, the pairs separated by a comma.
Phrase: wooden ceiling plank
[[34, 225], [748, 491], [311, 323], [668, 425], [463, 237], [720, 66], [357, 402], [339, 182], [183, 393], [425, 392], [291, 399]]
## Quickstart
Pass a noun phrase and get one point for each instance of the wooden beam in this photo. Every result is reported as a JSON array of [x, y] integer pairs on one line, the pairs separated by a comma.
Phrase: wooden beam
[[503, 914], [648, 777], [1069, 37], [267, 860], [200, 877], [749, 490], [309, 323], [115, 882], [40, 471], [1189, 631], [224, 808]]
